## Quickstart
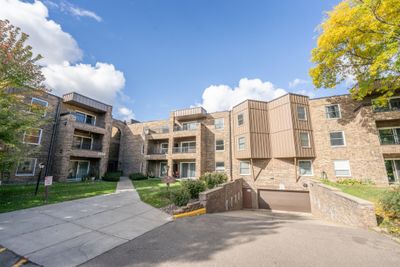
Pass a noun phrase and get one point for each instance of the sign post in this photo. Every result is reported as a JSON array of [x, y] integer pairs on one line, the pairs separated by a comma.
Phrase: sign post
[[48, 181]]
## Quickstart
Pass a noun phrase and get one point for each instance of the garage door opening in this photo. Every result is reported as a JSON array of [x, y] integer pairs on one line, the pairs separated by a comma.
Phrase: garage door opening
[[284, 200]]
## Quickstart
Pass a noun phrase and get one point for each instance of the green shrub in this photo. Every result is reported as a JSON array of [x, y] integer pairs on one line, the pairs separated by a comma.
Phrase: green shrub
[[112, 176], [181, 197], [194, 187], [212, 179], [349, 181], [390, 204], [138, 176]]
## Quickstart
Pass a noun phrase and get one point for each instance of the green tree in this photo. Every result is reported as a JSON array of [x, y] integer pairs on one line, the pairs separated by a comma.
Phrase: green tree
[[360, 39], [20, 77]]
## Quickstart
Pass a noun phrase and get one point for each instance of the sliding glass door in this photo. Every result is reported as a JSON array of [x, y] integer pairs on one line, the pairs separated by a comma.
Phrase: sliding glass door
[[78, 169], [188, 170]]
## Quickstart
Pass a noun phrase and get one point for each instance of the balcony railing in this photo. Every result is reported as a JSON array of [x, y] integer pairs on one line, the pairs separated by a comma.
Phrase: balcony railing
[[159, 130], [161, 151], [187, 127], [84, 146], [181, 149]]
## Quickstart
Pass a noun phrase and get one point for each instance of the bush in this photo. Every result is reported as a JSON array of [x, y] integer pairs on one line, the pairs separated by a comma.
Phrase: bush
[[181, 197], [194, 187], [137, 176], [349, 181], [212, 179], [112, 176], [390, 203]]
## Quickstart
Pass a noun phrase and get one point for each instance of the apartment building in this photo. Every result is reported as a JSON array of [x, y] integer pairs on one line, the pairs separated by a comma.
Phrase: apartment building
[[73, 143], [274, 146]]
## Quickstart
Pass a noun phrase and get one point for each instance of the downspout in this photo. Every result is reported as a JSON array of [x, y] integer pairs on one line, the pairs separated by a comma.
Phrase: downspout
[[53, 138], [230, 144]]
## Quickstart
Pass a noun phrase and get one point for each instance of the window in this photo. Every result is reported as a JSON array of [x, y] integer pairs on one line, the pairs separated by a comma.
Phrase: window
[[220, 166], [26, 167], [219, 145], [342, 167], [393, 170], [305, 168], [33, 136], [82, 142], [85, 118], [190, 126], [337, 138], [244, 168], [332, 111], [304, 139], [301, 113], [219, 123], [240, 119], [392, 104], [164, 148], [389, 136], [241, 143], [39, 104]]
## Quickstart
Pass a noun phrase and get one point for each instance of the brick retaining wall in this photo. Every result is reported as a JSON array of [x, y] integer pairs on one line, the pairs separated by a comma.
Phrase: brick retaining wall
[[332, 204], [225, 197]]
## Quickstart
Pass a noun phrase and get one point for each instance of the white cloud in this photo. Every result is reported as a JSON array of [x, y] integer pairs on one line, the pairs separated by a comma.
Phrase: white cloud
[[68, 8], [125, 113], [102, 81], [85, 13], [296, 82], [45, 36], [223, 97], [62, 55]]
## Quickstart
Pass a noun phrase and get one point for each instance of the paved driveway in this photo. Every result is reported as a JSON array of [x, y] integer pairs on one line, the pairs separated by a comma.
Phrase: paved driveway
[[70, 233], [258, 238]]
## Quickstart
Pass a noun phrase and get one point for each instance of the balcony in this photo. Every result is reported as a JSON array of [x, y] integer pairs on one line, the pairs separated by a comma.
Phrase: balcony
[[161, 151], [187, 127], [159, 130], [190, 113], [183, 149], [85, 102]]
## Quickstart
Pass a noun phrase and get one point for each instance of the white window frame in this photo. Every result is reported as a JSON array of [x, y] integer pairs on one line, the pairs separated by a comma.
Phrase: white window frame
[[308, 138], [222, 125], [343, 136], [240, 114], [238, 143], [86, 114], [340, 112], [223, 144], [395, 135], [41, 100], [395, 170], [305, 113], [87, 169], [342, 160], [240, 167], [162, 149], [220, 168], [40, 138], [180, 169], [27, 174], [311, 165]]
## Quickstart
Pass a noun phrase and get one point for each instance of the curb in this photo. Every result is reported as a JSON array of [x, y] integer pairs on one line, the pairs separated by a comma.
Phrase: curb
[[190, 213]]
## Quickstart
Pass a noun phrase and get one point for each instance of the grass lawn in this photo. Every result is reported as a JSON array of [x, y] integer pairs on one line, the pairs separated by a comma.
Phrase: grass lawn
[[15, 197], [154, 192], [368, 192]]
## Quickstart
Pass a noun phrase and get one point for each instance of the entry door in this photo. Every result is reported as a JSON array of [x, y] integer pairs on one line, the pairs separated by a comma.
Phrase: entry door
[[188, 170], [163, 169], [83, 169]]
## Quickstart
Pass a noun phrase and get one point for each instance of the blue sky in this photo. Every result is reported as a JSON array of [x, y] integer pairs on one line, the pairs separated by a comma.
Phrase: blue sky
[[170, 51]]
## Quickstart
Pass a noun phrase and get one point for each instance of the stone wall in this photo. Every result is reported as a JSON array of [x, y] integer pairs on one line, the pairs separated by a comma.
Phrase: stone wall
[[333, 205], [225, 197]]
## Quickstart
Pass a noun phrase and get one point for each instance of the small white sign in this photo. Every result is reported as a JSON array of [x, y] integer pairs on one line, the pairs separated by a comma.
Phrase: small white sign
[[48, 180]]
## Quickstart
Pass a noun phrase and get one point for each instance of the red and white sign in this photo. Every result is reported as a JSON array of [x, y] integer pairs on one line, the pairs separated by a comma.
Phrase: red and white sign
[[48, 180]]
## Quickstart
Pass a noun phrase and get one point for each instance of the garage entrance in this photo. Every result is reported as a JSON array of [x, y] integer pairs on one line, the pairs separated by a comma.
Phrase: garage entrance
[[284, 200]]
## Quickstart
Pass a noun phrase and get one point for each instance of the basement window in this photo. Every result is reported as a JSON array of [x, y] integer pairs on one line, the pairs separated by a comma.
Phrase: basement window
[[305, 168], [220, 166], [26, 167], [342, 168]]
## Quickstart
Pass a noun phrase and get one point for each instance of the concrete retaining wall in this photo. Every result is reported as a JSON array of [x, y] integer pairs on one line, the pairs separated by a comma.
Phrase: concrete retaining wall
[[225, 197], [332, 204]]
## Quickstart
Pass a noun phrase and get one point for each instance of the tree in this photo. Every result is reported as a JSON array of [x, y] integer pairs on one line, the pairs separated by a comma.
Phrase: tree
[[360, 40], [19, 77]]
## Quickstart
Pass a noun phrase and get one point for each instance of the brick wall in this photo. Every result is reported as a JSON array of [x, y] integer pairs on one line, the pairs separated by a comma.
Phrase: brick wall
[[225, 197], [333, 205]]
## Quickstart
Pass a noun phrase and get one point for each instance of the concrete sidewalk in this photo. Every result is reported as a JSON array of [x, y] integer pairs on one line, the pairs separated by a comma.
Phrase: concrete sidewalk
[[72, 232]]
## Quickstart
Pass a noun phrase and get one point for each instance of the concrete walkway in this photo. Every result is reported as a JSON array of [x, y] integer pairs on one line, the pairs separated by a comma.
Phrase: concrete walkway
[[72, 232]]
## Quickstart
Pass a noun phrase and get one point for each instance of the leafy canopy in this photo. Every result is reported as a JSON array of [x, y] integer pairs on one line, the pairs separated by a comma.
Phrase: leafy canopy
[[360, 39], [20, 77]]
